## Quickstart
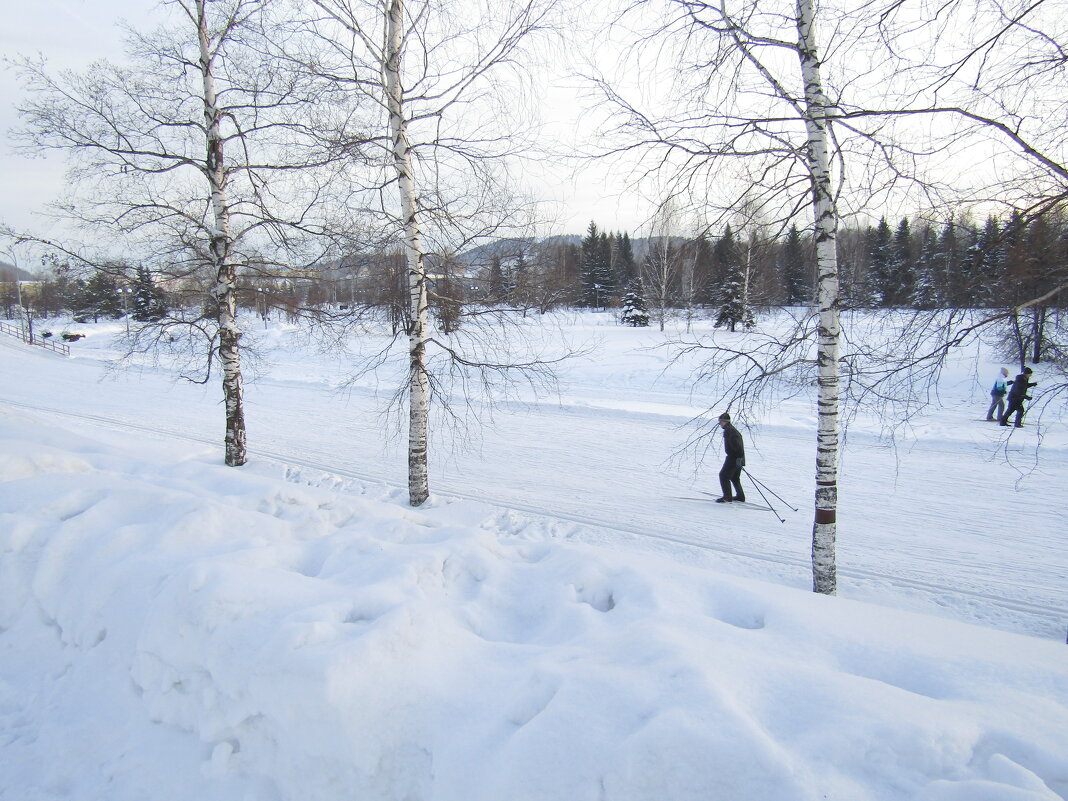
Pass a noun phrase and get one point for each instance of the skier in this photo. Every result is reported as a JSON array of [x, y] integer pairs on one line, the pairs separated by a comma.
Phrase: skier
[[731, 473], [1017, 395], [997, 396]]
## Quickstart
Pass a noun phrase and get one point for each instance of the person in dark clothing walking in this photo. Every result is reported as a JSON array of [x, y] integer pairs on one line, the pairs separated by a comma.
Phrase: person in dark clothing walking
[[733, 463], [1017, 395]]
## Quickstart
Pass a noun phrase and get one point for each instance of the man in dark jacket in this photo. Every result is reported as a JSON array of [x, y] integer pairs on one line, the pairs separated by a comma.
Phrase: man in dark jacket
[[1017, 395], [733, 463]]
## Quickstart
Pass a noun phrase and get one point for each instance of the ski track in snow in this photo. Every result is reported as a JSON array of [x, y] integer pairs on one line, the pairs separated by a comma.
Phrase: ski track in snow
[[594, 474], [628, 532]]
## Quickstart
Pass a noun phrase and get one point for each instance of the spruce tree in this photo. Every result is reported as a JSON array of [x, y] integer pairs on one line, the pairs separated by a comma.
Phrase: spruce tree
[[595, 269], [519, 287], [496, 281], [987, 264], [606, 261], [879, 244], [626, 266], [901, 267], [953, 275], [98, 297], [793, 269], [148, 303], [927, 292], [634, 310], [734, 308]]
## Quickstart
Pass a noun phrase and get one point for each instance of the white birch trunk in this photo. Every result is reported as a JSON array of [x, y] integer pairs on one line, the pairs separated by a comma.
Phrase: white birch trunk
[[418, 311], [745, 279], [818, 154], [223, 291], [660, 274]]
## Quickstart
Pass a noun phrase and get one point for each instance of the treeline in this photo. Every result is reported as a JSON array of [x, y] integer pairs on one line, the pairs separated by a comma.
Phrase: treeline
[[96, 295], [912, 264], [959, 264]]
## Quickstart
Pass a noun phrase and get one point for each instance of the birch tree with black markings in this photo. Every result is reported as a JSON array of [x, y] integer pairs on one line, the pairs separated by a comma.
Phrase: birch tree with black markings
[[436, 76], [196, 158], [905, 106], [742, 119]]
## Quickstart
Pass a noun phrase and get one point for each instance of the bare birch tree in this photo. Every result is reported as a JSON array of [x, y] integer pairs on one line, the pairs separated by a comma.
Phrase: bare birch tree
[[193, 160], [791, 143], [751, 115], [418, 306], [433, 71], [661, 269], [816, 114]]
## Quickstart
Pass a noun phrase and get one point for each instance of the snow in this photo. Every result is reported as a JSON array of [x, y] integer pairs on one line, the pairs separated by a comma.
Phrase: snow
[[569, 617]]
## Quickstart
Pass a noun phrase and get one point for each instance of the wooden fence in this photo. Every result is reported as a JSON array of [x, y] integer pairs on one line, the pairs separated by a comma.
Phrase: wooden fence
[[21, 333]]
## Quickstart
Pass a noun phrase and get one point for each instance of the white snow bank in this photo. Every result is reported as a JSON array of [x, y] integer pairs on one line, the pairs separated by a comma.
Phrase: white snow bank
[[174, 629]]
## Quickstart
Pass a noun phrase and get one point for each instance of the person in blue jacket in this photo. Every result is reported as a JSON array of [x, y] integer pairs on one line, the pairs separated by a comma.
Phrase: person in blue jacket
[[997, 396], [731, 473], [1017, 395]]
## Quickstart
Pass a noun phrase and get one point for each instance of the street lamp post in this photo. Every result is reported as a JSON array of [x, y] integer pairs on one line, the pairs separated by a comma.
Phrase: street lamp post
[[24, 313], [18, 281], [261, 293]]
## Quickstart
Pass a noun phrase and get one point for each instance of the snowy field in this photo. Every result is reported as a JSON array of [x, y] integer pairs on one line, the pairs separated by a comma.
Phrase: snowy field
[[570, 617]]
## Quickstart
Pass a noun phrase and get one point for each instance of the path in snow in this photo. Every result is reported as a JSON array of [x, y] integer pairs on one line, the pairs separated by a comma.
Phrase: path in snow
[[939, 526]]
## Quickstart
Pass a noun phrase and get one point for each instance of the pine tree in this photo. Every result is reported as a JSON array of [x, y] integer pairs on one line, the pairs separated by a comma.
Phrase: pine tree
[[953, 276], [927, 292], [626, 266], [879, 251], [901, 267], [734, 308], [606, 261], [1014, 252], [966, 234], [496, 281], [987, 264], [97, 297], [519, 289], [793, 269], [148, 303], [634, 310], [595, 269]]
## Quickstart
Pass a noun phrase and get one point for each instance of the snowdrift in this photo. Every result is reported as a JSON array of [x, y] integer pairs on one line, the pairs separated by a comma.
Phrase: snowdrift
[[175, 629]]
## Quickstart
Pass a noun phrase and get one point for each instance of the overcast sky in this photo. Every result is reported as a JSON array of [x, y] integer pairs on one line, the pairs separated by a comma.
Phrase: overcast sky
[[69, 33], [73, 33]]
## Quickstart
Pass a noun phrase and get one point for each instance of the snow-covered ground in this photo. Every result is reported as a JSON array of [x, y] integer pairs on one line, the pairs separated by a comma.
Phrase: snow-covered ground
[[570, 617]]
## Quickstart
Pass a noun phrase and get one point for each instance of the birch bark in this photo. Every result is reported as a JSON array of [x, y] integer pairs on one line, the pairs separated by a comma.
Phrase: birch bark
[[219, 248], [418, 307], [817, 114]]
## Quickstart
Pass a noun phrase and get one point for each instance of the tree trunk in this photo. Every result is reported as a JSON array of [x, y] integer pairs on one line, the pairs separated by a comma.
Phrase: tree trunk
[[223, 292], [1039, 329], [824, 579], [418, 316], [1021, 343]]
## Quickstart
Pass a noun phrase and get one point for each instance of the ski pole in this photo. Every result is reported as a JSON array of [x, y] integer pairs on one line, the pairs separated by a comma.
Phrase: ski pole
[[771, 491], [771, 508], [756, 481]]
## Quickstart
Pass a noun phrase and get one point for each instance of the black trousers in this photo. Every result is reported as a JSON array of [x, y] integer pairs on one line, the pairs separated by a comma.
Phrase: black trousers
[[731, 474], [1014, 406]]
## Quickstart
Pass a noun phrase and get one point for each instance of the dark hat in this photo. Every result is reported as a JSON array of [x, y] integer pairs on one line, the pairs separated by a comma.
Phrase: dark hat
[[1027, 370], [725, 416]]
